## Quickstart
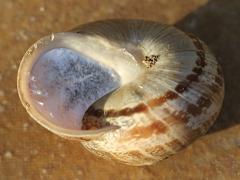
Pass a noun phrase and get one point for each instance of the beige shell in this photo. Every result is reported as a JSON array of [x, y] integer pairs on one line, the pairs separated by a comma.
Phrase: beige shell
[[130, 90]]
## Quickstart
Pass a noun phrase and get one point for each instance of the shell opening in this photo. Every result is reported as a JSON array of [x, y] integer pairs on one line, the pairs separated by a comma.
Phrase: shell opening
[[64, 83]]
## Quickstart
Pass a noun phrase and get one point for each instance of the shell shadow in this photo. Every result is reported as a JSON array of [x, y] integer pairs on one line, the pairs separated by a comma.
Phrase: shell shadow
[[219, 28]]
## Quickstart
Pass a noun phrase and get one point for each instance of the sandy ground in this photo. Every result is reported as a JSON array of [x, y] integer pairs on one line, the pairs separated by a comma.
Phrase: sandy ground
[[28, 151]]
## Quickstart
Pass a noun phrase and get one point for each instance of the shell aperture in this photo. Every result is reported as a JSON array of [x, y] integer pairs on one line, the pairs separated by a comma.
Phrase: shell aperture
[[64, 84]]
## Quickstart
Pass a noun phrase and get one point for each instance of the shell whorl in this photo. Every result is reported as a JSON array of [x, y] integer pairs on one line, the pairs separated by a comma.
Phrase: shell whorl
[[168, 89]]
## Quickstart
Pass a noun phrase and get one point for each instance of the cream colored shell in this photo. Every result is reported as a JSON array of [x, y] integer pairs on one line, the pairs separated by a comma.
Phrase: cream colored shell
[[170, 90]]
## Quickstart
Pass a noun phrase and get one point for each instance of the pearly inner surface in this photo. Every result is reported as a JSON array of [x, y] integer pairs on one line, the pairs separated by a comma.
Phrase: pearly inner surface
[[64, 83]]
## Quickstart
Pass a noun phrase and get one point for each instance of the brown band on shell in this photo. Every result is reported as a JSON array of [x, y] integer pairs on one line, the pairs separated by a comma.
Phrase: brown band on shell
[[197, 71], [176, 118], [138, 132], [92, 122], [219, 78], [219, 81], [126, 111], [202, 102], [170, 95], [213, 87]]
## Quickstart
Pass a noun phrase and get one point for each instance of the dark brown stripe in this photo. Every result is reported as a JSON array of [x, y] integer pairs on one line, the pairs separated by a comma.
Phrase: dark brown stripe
[[192, 77], [182, 86], [200, 62], [219, 81], [137, 109], [157, 127], [195, 110], [175, 118], [95, 112], [90, 122], [197, 71], [116, 113], [195, 40], [130, 111], [126, 111], [213, 87], [170, 95]]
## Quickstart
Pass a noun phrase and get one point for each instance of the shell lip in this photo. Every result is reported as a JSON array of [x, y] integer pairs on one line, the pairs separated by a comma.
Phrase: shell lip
[[28, 60]]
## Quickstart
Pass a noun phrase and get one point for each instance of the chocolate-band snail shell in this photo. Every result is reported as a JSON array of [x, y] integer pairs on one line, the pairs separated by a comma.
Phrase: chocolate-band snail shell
[[131, 90]]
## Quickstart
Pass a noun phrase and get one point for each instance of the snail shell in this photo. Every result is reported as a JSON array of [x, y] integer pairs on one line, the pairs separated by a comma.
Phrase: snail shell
[[130, 90]]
